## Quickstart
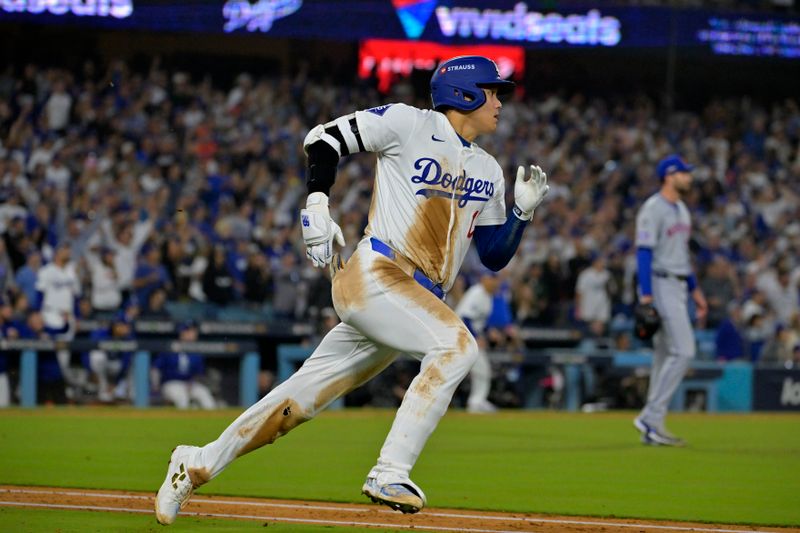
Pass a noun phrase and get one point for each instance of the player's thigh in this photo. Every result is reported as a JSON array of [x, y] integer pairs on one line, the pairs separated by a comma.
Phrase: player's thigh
[[375, 296], [200, 394], [176, 392], [344, 360], [98, 361], [680, 335], [671, 303]]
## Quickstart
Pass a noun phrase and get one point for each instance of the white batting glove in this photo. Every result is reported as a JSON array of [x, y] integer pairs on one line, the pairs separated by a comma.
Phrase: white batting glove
[[319, 231], [529, 193]]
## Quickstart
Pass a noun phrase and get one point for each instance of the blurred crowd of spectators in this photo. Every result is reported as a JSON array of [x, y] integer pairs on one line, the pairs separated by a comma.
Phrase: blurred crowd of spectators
[[160, 189]]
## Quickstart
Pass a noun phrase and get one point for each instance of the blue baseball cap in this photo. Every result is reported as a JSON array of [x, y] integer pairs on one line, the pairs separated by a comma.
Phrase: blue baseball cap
[[672, 163], [186, 324], [121, 317], [488, 273]]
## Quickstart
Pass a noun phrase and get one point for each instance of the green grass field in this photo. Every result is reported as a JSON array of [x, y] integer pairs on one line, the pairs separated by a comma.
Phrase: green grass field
[[738, 468]]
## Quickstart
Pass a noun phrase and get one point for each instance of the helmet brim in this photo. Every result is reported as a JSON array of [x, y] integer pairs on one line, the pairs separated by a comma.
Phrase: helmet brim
[[502, 86]]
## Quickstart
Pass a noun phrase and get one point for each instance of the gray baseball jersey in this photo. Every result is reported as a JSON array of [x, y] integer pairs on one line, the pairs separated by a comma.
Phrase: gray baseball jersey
[[665, 227]]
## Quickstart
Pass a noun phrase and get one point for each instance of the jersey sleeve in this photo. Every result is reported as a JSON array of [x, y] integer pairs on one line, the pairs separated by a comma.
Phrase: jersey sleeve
[[43, 280], [495, 210], [646, 228], [582, 285], [387, 128], [76, 281], [469, 306], [473, 308]]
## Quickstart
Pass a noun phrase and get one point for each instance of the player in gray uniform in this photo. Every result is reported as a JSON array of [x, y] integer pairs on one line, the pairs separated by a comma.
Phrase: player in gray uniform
[[663, 228]]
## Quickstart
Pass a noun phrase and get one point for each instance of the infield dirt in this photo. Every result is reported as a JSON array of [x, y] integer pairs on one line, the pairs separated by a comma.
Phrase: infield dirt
[[341, 514]]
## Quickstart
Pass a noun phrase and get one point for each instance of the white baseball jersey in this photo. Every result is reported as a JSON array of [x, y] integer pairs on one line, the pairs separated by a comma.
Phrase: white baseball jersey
[[476, 306], [432, 187], [125, 255], [106, 293], [59, 287], [595, 303]]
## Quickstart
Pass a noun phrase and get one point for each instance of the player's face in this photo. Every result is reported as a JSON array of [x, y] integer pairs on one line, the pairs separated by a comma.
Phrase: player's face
[[485, 117], [490, 283], [682, 181], [63, 255], [189, 335]]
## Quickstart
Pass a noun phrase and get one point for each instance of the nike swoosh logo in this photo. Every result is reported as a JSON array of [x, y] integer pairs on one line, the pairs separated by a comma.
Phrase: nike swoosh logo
[[433, 138]]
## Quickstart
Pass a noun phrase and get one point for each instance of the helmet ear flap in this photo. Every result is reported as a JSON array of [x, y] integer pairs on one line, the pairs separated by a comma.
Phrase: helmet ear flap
[[471, 99]]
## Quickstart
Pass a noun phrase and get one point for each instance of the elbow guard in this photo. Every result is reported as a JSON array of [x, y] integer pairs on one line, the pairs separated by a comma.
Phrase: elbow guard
[[341, 134], [324, 145]]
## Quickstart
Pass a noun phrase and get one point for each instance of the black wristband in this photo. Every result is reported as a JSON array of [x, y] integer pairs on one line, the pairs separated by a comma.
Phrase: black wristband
[[519, 214]]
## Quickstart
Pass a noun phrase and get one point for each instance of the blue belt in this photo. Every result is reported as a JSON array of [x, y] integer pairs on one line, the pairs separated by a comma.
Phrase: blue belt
[[385, 250]]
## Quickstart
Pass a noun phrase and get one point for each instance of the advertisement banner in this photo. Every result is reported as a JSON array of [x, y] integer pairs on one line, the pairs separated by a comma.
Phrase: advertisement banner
[[453, 22], [388, 60], [776, 389]]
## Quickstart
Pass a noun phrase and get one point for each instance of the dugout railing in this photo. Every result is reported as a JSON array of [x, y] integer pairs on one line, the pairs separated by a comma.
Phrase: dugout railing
[[733, 386], [142, 350]]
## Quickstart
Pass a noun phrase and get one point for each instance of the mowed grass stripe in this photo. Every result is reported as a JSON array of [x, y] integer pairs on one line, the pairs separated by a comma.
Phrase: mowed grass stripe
[[738, 469]]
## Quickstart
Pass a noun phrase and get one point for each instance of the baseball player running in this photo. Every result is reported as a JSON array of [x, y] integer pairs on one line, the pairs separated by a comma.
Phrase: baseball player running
[[663, 227], [474, 309], [435, 191]]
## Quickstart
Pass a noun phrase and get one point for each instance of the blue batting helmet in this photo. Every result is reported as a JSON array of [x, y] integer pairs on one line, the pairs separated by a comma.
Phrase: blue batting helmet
[[458, 82]]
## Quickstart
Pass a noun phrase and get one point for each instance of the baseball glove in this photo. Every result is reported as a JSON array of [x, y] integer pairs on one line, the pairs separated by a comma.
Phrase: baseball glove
[[646, 321]]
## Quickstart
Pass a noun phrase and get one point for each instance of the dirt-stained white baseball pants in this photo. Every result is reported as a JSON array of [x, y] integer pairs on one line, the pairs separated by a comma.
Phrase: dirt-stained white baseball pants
[[384, 311]]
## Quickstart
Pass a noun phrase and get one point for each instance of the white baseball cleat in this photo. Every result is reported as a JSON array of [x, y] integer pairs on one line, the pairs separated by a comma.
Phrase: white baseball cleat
[[405, 497], [178, 486], [483, 407], [654, 436]]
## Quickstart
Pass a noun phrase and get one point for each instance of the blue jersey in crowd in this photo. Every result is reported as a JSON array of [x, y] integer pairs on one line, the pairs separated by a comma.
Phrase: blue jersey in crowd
[[125, 357], [179, 366], [143, 270], [47, 368], [501, 316]]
